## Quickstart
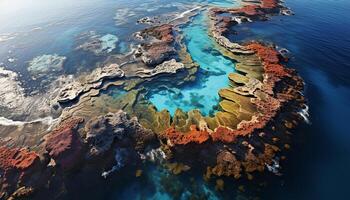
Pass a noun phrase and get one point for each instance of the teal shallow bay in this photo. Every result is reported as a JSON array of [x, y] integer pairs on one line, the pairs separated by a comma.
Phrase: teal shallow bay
[[212, 75]]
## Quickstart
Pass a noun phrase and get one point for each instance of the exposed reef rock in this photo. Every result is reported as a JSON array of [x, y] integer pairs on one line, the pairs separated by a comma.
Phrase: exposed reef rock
[[101, 132], [92, 81], [167, 67], [74, 144], [157, 45], [64, 144]]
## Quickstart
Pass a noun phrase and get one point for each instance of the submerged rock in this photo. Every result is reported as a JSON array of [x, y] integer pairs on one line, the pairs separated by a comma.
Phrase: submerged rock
[[98, 44], [45, 64], [177, 168]]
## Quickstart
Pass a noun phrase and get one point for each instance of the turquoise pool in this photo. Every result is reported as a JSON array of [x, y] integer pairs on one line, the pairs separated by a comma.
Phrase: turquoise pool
[[212, 75]]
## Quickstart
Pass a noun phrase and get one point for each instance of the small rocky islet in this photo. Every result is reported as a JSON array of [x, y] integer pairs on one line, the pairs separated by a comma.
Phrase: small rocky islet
[[93, 135]]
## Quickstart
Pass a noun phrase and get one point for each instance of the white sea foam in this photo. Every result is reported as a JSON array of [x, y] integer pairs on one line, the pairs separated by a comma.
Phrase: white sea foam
[[304, 113], [46, 120], [154, 155], [274, 167], [183, 14], [7, 36]]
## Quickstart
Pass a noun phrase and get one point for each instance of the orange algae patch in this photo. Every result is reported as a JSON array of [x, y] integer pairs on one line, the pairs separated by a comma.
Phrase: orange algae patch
[[223, 134], [270, 58], [194, 135], [269, 4]]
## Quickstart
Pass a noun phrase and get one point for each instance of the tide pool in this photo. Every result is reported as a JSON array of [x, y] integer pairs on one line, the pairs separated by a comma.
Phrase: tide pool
[[212, 75]]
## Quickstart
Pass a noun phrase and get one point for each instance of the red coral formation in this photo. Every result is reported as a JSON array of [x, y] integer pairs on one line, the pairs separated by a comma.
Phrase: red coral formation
[[64, 144], [266, 54], [223, 134], [270, 58], [249, 10], [180, 138]]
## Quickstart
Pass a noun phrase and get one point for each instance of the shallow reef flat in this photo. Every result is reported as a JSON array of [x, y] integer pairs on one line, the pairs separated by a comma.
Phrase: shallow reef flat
[[104, 120]]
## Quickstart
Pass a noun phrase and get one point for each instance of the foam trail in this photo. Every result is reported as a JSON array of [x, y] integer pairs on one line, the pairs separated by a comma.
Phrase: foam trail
[[9, 122], [183, 14]]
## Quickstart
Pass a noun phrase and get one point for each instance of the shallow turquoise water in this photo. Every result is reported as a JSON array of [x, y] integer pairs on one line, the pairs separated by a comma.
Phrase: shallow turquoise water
[[212, 75]]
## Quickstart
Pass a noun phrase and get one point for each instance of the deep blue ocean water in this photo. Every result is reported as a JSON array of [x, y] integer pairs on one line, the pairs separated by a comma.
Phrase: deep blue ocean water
[[318, 37]]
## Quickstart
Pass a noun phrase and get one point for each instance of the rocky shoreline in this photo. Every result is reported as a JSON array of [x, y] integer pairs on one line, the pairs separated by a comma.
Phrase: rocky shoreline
[[96, 135]]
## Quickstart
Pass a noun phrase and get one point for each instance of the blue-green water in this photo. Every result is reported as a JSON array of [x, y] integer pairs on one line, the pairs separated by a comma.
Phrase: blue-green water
[[212, 75]]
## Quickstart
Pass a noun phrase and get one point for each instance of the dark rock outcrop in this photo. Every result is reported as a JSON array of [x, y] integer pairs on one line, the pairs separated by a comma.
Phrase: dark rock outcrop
[[157, 44], [102, 132]]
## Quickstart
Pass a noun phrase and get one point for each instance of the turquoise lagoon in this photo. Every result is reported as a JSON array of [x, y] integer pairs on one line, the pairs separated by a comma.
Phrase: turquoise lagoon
[[212, 75]]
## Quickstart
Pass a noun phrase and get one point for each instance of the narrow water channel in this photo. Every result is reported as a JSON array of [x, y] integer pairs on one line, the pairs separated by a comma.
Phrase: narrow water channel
[[212, 75]]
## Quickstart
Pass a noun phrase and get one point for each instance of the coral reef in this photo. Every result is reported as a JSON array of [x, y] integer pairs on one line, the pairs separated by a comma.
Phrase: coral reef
[[260, 89]]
